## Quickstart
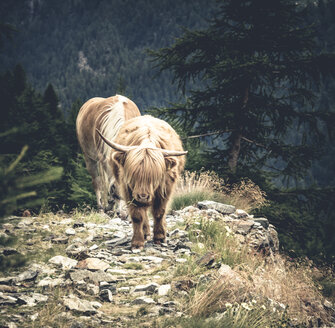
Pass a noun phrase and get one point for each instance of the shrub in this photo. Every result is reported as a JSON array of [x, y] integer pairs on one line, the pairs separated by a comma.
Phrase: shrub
[[193, 187]]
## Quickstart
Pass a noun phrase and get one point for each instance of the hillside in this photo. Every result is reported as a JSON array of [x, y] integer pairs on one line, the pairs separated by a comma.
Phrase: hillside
[[97, 48], [220, 267]]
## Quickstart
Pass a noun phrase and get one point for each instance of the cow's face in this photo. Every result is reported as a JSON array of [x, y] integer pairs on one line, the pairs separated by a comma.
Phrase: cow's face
[[143, 173], [143, 168]]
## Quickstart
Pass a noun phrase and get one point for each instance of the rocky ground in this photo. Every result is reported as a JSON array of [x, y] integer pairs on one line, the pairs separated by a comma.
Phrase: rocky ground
[[81, 272]]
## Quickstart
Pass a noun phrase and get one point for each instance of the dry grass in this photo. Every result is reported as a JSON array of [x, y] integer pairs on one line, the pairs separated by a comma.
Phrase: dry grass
[[207, 185], [206, 181], [49, 314], [245, 195], [272, 282]]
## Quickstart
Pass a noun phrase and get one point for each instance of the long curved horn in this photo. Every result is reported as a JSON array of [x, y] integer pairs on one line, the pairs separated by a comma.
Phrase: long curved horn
[[125, 149], [167, 153], [114, 145]]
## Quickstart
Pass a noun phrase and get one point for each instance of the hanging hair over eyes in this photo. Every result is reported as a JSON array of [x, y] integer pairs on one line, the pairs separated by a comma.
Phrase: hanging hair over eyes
[[145, 170]]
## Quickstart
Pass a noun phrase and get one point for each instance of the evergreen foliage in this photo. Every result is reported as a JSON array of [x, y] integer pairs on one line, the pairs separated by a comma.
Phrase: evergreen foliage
[[29, 127], [97, 48], [254, 83], [80, 183], [258, 68], [305, 220]]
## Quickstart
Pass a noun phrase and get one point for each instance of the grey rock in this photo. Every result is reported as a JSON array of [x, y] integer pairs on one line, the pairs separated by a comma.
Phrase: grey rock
[[95, 277], [66, 221], [70, 232], [163, 290], [177, 234], [263, 221], [148, 288], [28, 275], [143, 300], [92, 289], [77, 251], [107, 285], [32, 299], [60, 240], [151, 259], [64, 262], [25, 222], [118, 241], [8, 300], [124, 290], [11, 325], [221, 208], [241, 214], [207, 259], [180, 244], [79, 305], [230, 276], [50, 283], [273, 237], [8, 289], [106, 295], [93, 264], [329, 305], [6, 280], [93, 247], [243, 227]]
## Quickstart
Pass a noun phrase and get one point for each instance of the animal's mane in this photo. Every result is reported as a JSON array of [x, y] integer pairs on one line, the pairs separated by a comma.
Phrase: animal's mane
[[147, 135], [146, 168], [112, 118]]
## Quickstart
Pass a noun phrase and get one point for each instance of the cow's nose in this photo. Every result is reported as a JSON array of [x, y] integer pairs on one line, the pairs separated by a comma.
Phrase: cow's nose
[[143, 196]]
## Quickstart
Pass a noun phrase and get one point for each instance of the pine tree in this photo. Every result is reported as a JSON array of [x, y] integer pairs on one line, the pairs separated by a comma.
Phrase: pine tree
[[50, 98], [256, 68]]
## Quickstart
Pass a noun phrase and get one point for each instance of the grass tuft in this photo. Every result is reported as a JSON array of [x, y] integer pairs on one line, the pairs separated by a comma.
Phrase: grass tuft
[[265, 291], [193, 187]]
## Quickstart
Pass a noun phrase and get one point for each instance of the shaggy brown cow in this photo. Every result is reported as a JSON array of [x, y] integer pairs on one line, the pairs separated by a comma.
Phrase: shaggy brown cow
[[146, 160], [107, 115]]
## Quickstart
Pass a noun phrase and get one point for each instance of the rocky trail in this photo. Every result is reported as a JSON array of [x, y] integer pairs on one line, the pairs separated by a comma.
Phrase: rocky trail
[[81, 272]]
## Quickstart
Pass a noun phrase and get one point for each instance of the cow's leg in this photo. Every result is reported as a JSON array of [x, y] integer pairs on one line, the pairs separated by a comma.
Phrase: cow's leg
[[113, 199], [116, 204], [158, 212], [138, 216], [92, 168], [146, 228]]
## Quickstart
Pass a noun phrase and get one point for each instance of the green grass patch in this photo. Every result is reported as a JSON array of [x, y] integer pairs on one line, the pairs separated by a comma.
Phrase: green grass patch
[[245, 315], [133, 266], [216, 237], [181, 201]]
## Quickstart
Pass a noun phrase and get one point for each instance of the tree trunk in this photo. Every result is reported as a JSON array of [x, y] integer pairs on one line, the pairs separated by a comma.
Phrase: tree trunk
[[234, 151], [237, 136]]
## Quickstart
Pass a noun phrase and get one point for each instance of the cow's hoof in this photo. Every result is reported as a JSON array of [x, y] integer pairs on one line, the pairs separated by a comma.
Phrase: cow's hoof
[[137, 245], [123, 215], [159, 241], [147, 237]]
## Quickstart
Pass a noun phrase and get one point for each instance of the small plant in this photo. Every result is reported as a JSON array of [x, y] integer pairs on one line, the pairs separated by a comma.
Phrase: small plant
[[218, 238], [133, 266], [193, 187], [245, 195]]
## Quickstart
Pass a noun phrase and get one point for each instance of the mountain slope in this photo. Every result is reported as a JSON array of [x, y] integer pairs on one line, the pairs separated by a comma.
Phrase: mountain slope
[[97, 48]]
